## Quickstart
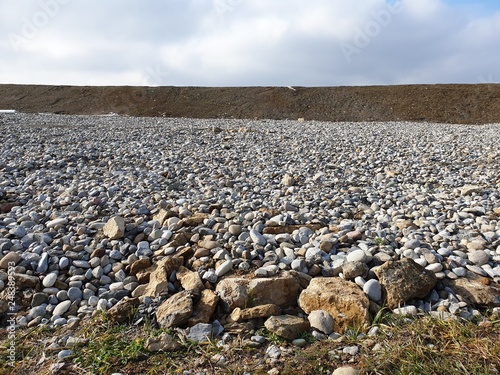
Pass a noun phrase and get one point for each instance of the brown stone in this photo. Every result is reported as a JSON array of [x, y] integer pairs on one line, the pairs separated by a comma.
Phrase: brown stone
[[163, 215], [195, 220], [175, 311], [290, 228], [282, 290], [403, 280], [114, 228], [164, 343], [204, 308], [139, 265], [352, 270], [178, 240], [26, 281], [477, 291], [169, 264], [158, 278], [190, 280], [8, 259], [287, 326], [98, 253], [262, 311], [344, 300], [6, 207], [124, 310]]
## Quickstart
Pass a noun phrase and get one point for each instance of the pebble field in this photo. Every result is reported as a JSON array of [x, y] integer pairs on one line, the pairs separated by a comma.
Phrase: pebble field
[[429, 192]]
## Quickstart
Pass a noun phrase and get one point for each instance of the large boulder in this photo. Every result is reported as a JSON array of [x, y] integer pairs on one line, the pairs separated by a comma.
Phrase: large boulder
[[204, 308], [282, 290], [343, 300], [403, 280]]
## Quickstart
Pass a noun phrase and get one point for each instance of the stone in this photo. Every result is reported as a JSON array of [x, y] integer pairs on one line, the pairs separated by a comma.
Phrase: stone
[[343, 300], [11, 258], [190, 280], [164, 343], [49, 280], [321, 320], [373, 290], [175, 311], [262, 311], [346, 370], [124, 310], [139, 265], [403, 280], [289, 327], [356, 256], [61, 308], [282, 290], [26, 281], [257, 238], [478, 257], [114, 228], [351, 270], [200, 333], [288, 180], [224, 268], [470, 189], [204, 308], [290, 228], [158, 275], [476, 290]]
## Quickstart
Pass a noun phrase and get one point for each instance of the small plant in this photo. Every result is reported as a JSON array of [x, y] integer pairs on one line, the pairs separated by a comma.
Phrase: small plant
[[379, 241], [272, 337]]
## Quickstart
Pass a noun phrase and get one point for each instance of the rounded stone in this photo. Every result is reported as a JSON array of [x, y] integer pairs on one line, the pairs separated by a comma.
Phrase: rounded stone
[[478, 257], [74, 294], [356, 256], [49, 280], [61, 308], [373, 290]]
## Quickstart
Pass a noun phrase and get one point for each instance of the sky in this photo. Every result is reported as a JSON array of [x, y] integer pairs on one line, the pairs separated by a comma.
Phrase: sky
[[249, 42]]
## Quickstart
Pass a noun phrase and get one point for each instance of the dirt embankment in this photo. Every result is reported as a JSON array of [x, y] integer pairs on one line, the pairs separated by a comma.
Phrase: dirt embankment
[[463, 104]]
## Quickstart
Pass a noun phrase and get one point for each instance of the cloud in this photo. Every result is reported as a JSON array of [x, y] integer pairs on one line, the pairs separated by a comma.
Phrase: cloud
[[244, 42]]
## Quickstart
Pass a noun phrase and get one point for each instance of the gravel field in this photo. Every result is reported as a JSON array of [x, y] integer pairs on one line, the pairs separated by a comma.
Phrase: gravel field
[[385, 191]]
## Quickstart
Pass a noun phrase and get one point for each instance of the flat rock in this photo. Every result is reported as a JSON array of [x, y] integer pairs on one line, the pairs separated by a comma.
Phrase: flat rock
[[343, 300], [282, 290], [287, 326], [164, 342], [262, 311], [403, 280], [476, 290], [190, 280]]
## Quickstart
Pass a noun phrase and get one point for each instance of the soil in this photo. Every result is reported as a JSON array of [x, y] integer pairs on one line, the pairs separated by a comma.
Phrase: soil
[[460, 104]]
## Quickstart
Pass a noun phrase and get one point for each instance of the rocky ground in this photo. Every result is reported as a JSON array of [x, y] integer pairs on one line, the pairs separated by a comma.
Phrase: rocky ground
[[244, 232], [455, 104]]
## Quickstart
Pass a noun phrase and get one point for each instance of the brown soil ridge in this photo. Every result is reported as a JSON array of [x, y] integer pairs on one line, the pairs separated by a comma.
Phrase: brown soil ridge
[[443, 103]]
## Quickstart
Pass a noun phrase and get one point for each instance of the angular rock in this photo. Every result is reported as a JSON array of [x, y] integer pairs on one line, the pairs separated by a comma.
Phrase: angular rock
[[204, 308], [282, 290], [351, 270], [262, 311], [158, 275], [190, 280], [290, 228], [124, 310], [164, 342], [175, 311], [287, 326], [476, 290], [26, 281], [403, 280], [195, 219], [344, 300], [201, 332], [321, 320], [114, 228]]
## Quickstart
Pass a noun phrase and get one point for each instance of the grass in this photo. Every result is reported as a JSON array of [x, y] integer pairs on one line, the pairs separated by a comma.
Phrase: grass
[[420, 345]]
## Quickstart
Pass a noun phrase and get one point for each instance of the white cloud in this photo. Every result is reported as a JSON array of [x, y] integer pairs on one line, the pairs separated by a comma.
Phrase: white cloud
[[246, 42]]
